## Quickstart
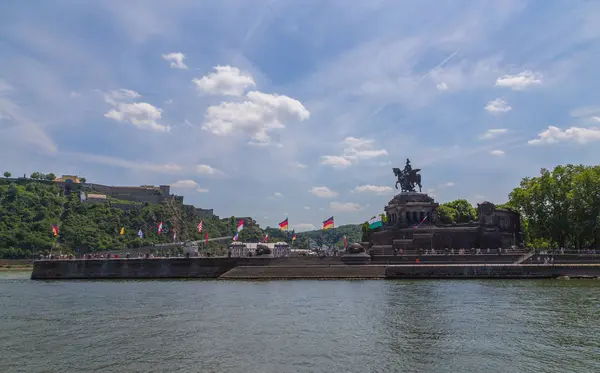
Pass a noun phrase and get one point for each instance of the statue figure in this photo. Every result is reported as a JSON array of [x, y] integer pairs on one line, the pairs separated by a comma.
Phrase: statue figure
[[408, 178]]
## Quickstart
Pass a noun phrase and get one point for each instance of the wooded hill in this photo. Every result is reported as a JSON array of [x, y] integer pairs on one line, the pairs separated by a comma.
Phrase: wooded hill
[[559, 208]]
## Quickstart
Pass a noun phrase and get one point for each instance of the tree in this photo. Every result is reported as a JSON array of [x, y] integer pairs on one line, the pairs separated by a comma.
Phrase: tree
[[7, 174], [465, 212], [50, 176], [36, 175], [560, 208], [82, 179]]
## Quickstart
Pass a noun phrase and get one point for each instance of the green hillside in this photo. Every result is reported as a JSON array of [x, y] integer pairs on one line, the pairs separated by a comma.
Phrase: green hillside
[[29, 209]]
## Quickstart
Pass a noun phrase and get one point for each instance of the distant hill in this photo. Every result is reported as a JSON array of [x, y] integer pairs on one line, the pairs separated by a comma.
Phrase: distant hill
[[351, 231]]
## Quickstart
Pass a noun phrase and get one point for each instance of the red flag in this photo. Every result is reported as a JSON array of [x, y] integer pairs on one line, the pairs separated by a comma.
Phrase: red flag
[[267, 237], [55, 230], [345, 241], [160, 227], [206, 238], [200, 226]]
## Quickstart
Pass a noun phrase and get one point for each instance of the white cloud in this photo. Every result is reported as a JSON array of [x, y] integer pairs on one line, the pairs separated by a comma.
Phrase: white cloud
[[184, 184], [345, 206], [113, 97], [497, 152], [588, 111], [497, 106], [299, 165], [277, 194], [176, 60], [442, 86], [306, 208], [490, 134], [372, 189], [354, 149], [131, 165], [204, 169], [141, 114], [449, 184], [323, 192], [202, 190], [335, 161], [577, 135], [479, 198], [226, 81], [256, 116], [520, 81], [304, 227]]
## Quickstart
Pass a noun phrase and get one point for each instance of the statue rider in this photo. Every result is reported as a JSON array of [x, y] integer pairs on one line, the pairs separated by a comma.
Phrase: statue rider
[[406, 173]]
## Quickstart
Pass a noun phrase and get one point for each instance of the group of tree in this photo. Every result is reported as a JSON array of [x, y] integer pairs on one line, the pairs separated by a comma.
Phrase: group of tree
[[559, 208], [29, 210]]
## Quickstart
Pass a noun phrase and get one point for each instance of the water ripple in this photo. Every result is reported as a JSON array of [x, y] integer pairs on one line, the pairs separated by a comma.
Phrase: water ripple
[[299, 326]]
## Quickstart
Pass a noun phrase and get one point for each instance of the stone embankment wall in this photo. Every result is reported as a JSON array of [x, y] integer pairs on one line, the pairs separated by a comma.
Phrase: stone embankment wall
[[457, 271], [291, 268]]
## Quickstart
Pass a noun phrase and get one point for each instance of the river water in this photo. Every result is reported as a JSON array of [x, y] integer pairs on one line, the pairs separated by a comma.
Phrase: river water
[[299, 326]]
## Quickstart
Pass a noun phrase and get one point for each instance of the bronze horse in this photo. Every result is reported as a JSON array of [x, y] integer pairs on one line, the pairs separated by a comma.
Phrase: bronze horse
[[407, 182]]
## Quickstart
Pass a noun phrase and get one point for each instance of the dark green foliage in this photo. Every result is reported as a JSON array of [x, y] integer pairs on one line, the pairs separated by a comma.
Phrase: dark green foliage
[[29, 209]]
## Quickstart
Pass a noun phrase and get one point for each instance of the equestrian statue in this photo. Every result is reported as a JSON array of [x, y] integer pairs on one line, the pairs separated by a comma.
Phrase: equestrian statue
[[408, 178]]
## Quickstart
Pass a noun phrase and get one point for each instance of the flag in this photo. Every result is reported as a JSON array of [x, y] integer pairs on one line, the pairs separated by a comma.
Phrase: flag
[[294, 237], [235, 238], [267, 237], [174, 236], [417, 226], [200, 226], [328, 224], [140, 234], [283, 225], [122, 231], [206, 238], [345, 241], [375, 222], [160, 227], [54, 230], [240, 225]]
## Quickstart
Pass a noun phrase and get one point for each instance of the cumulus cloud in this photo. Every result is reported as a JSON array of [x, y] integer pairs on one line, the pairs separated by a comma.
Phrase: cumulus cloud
[[577, 135], [299, 165], [141, 114], [202, 190], [449, 184], [226, 81], [354, 150], [345, 206], [335, 161], [520, 81], [204, 169], [323, 192], [372, 189], [490, 134], [497, 153], [256, 116], [184, 184], [497, 106], [176, 60], [304, 227]]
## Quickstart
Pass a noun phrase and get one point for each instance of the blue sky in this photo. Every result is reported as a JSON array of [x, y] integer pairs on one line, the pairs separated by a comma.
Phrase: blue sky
[[299, 108]]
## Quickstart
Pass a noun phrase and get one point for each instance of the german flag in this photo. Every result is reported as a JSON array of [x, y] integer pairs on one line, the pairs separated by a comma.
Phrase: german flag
[[328, 224], [284, 225]]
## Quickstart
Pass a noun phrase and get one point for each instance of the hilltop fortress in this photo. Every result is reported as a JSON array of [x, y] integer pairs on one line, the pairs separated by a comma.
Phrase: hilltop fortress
[[98, 193]]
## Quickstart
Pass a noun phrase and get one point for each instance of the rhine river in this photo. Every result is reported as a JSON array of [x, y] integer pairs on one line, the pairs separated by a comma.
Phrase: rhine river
[[299, 326]]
